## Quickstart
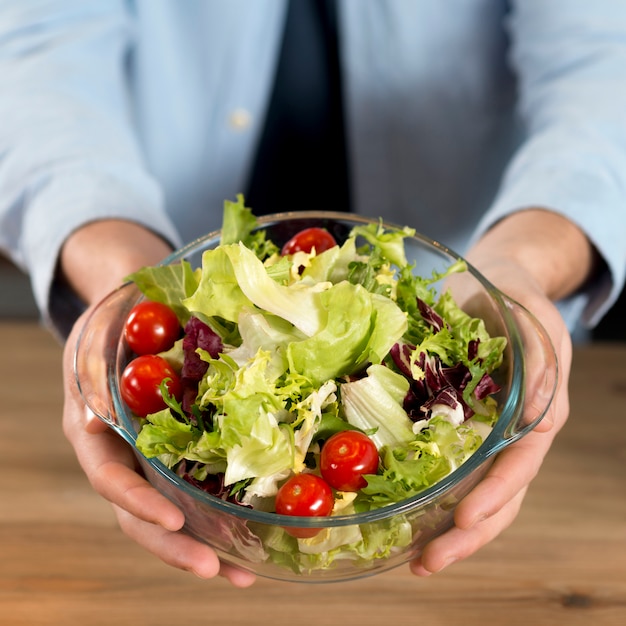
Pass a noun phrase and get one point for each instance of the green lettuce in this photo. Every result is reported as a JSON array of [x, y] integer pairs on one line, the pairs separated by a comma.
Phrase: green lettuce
[[374, 405]]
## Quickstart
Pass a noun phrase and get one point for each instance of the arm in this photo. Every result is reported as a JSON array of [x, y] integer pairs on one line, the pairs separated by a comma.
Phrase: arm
[[96, 258], [553, 251], [570, 59], [68, 150], [79, 212], [565, 260], [94, 261]]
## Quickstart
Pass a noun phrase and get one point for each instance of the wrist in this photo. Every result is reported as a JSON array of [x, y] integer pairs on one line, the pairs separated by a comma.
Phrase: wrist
[[96, 258], [544, 244]]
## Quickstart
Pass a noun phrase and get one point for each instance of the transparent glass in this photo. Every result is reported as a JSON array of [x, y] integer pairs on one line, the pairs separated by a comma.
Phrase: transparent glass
[[256, 540]]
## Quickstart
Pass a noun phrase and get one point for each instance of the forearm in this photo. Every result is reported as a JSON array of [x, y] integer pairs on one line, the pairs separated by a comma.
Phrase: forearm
[[546, 245], [96, 258]]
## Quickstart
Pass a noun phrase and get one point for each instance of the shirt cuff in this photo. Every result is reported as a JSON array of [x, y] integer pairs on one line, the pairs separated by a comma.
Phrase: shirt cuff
[[595, 206], [66, 203]]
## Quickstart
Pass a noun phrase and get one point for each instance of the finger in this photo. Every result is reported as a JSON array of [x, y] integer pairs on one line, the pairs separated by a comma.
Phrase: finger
[[458, 544], [558, 409], [111, 467], [514, 468], [173, 548], [512, 471], [237, 577], [180, 550], [126, 488]]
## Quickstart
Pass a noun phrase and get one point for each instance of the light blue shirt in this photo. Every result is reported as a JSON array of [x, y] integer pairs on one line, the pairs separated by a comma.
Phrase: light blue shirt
[[458, 112]]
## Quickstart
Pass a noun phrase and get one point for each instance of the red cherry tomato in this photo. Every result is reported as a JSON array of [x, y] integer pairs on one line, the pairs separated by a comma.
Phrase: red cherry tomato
[[140, 381], [346, 457], [151, 328], [307, 239], [305, 495]]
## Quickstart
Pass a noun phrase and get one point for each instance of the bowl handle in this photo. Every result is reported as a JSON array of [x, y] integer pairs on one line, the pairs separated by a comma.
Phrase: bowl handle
[[540, 375], [96, 354]]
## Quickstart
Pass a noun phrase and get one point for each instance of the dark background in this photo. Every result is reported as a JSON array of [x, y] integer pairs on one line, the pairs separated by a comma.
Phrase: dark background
[[612, 328]]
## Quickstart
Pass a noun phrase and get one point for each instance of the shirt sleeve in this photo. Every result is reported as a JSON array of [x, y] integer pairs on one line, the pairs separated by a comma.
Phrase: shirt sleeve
[[68, 151], [570, 59]]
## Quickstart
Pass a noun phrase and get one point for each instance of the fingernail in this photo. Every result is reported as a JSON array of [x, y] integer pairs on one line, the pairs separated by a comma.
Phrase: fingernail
[[90, 416], [448, 561], [418, 569]]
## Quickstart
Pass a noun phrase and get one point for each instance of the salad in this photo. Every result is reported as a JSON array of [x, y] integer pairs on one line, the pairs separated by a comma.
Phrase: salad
[[314, 379]]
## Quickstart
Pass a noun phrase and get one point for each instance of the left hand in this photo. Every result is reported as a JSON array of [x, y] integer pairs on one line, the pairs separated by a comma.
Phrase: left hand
[[516, 257], [495, 502]]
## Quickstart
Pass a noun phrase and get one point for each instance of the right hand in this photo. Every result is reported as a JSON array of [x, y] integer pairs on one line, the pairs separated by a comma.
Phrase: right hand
[[143, 514], [94, 261]]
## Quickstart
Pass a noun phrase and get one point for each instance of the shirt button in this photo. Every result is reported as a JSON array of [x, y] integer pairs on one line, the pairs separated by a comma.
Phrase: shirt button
[[239, 119]]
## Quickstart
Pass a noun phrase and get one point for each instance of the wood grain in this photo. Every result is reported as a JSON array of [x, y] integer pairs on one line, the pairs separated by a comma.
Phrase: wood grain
[[63, 561]]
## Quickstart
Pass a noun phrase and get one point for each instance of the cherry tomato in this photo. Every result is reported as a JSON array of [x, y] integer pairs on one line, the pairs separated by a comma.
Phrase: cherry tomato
[[151, 328], [304, 495], [345, 457], [307, 239], [140, 381]]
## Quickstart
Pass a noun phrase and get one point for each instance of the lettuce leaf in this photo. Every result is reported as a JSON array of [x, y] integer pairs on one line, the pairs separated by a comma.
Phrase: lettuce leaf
[[168, 284], [374, 404]]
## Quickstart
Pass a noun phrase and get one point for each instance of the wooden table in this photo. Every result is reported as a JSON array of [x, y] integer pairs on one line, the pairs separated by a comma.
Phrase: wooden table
[[63, 560]]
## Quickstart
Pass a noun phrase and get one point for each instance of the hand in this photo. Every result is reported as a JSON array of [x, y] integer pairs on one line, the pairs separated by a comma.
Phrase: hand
[[495, 502], [143, 513]]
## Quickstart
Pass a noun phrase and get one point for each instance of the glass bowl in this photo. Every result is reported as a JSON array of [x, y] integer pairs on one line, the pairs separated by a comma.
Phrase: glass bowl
[[385, 538]]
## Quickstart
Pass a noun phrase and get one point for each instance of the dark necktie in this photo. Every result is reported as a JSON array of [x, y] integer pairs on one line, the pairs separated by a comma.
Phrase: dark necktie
[[301, 161]]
